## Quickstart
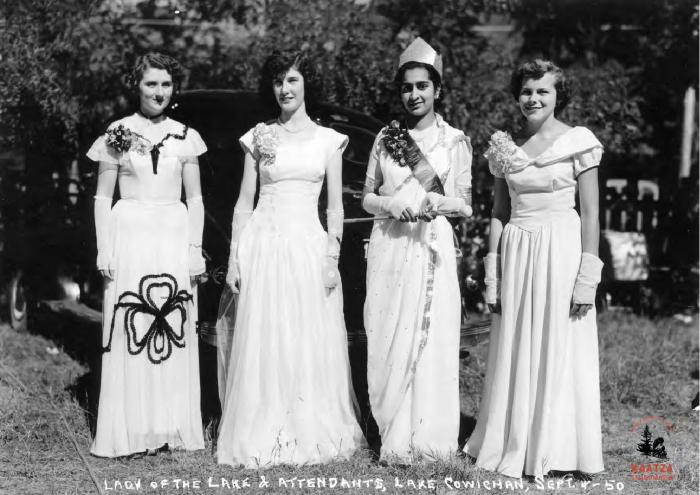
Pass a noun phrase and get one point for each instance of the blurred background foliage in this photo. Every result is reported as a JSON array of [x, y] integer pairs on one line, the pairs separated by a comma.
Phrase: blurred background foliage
[[63, 62]]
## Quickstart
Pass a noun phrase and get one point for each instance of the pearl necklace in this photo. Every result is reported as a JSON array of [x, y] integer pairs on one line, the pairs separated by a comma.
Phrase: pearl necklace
[[296, 131]]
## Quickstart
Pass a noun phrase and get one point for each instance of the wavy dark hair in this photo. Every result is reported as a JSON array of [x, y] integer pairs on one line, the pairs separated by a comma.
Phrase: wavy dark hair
[[536, 69], [433, 75], [277, 64], [155, 60]]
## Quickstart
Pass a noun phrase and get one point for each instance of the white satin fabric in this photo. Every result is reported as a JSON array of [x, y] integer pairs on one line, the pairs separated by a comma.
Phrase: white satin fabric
[[540, 408], [145, 404], [288, 397]]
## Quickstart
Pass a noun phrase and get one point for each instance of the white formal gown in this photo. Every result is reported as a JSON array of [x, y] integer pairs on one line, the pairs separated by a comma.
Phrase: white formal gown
[[540, 408], [412, 309], [288, 393], [149, 393]]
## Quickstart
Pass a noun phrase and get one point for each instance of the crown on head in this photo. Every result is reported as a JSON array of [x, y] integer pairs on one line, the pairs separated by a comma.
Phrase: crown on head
[[420, 51]]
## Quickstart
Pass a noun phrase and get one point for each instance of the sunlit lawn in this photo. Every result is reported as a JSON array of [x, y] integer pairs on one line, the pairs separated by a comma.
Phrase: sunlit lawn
[[646, 371]]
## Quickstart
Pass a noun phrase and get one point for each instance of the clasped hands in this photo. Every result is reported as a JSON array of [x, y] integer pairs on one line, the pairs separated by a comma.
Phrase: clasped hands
[[401, 210]]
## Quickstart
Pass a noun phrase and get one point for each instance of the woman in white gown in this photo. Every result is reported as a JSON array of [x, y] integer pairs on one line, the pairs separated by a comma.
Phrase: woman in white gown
[[540, 409], [149, 247], [418, 169], [288, 397]]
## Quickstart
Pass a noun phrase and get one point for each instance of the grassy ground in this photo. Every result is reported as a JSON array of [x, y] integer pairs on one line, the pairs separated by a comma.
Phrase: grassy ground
[[646, 371]]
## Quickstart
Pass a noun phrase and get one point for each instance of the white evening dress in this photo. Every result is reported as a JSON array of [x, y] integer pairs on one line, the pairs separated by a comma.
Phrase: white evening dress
[[149, 393], [412, 309], [540, 408], [289, 396]]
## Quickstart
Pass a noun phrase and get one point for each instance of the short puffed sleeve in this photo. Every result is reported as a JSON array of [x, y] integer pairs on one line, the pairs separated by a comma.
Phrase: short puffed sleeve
[[101, 152], [338, 141], [193, 144], [246, 142], [587, 159]]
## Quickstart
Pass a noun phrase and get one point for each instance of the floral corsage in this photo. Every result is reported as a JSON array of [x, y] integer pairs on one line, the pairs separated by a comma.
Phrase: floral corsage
[[123, 139], [501, 151], [398, 143], [265, 142]]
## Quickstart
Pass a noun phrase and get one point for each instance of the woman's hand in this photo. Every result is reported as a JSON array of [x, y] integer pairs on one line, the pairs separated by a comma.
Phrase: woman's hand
[[401, 210], [330, 273], [107, 273], [579, 310], [429, 207], [233, 278], [495, 308]]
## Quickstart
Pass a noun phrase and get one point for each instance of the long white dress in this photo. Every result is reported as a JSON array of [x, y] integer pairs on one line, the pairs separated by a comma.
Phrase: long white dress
[[289, 396], [540, 408], [412, 309], [149, 393]]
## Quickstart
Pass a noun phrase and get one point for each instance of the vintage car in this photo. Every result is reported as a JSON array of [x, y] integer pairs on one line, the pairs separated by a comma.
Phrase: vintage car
[[222, 117], [50, 258]]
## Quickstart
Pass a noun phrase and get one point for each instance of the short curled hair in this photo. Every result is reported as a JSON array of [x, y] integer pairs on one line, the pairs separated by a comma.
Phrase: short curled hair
[[155, 60], [536, 69], [277, 64]]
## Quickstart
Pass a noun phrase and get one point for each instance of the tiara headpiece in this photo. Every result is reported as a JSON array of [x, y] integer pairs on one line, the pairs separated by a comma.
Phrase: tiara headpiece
[[420, 51]]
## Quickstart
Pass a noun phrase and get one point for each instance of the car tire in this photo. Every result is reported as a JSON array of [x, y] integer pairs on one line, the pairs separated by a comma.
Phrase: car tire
[[17, 302]]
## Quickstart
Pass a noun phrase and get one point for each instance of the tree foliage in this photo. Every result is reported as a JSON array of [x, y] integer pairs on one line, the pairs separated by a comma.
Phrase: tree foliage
[[63, 63]]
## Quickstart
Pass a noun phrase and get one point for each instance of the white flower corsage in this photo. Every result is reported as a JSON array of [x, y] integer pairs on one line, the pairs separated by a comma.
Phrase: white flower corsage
[[501, 152], [265, 142], [122, 139]]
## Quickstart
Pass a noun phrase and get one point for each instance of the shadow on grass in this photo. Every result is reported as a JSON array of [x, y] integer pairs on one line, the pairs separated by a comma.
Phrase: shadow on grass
[[80, 338]]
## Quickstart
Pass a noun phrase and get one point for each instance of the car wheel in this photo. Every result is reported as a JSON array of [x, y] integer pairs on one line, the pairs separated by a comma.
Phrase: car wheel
[[17, 302]]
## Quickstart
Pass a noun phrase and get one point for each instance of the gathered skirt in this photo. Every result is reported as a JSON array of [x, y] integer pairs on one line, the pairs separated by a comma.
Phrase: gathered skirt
[[540, 407], [149, 394], [288, 391]]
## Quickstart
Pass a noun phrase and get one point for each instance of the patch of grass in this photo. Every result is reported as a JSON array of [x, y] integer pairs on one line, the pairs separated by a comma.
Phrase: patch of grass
[[645, 371]]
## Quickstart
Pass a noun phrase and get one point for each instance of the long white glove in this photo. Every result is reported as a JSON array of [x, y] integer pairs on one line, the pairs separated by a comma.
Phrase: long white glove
[[334, 221], [445, 205], [240, 219], [195, 214], [587, 279], [492, 278], [103, 214], [385, 205]]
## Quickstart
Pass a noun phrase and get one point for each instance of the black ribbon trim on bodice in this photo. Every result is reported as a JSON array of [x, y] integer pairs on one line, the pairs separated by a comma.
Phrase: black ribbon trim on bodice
[[160, 337], [155, 151]]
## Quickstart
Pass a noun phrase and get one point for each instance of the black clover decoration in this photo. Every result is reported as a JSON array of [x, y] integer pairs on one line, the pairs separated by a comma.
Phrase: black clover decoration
[[155, 151], [167, 328]]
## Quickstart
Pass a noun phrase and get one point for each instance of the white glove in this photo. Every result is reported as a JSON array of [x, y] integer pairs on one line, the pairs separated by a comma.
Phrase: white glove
[[233, 277], [386, 205], [334, 221], [587, 279], [446, 205], [103, 215], [492, 278], [195, 214]]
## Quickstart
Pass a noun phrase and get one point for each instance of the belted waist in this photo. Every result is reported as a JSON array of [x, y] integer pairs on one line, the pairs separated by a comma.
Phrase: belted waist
[[530, 205]]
